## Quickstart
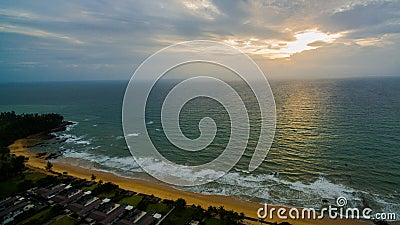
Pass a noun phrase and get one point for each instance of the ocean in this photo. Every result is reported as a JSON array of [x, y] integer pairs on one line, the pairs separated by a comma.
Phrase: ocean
[[334, 138]]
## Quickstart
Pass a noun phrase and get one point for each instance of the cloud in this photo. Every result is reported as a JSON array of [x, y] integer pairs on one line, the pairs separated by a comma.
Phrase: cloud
[[28, 63], [275, 49], [366, 23], [202, 8], [27, 16], [381, 41], [367, 15], [368, 41], [37, 33], [121, 34]]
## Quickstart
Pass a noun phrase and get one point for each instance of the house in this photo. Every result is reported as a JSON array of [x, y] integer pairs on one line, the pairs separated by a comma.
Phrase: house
[[138, 217], [132, 217], [85, 205], [15, 207], [147, 219], [107, 213], [8, 202], [50, 192], [194, 222], [113, 216], [67, 196]]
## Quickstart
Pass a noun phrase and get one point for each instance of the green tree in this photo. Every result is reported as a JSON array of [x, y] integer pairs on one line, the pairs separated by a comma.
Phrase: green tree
[[180, 203], [49, 166], [14, 127]]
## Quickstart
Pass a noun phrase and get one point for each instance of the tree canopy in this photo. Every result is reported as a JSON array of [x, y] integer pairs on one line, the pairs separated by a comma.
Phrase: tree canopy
[[14, 127]]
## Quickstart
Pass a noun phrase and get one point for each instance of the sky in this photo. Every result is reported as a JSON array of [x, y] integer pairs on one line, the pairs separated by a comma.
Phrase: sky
[[55, 40]]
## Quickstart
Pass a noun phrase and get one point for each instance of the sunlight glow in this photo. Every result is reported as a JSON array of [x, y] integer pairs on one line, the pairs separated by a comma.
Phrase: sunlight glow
[[275, 49]]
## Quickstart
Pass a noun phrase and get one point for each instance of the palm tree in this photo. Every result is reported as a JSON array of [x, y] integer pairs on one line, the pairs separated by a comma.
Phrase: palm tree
[[49, 165]]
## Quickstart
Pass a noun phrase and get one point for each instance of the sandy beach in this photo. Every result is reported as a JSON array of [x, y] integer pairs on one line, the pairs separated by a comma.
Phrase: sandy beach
[[21, 147]]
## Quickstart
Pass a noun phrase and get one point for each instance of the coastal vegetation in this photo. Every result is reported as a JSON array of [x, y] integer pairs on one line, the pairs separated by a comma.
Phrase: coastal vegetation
[[14, 127]]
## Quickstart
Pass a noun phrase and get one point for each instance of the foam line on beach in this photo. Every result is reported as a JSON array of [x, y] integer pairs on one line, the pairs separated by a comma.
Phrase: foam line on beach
[[260, 188]]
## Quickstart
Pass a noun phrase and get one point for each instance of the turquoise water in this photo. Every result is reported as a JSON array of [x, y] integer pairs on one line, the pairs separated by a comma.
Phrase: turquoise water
[[333, 137]]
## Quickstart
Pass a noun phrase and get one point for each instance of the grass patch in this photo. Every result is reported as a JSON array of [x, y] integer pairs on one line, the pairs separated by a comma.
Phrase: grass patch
[[133, 200], [66, 220], [214, 221], [42, 216], [34, 176], [110, 194], [89, 188], [13, 186], [158, 208], [9, 187], [179, 217]]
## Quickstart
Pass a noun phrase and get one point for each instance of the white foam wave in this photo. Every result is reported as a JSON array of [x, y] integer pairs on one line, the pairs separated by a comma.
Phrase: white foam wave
[[72, 139], [265, 188], [273, 190], [71, 126], [276, 190], [186, 174], [126, 164]]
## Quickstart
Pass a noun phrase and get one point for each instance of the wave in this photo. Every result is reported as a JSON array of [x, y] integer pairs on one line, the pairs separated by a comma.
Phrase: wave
[[161, 169], [72, 139], [71, 126], [124, 164], [277, 191], [262, 186], [259, 188]]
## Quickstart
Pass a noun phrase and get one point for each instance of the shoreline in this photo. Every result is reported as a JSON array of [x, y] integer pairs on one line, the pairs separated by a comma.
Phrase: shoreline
[[161, 190]]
